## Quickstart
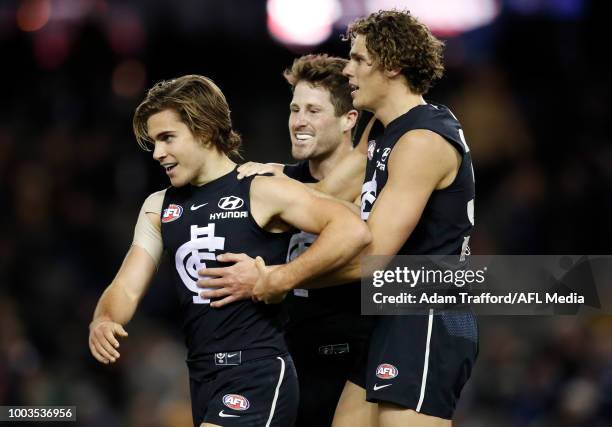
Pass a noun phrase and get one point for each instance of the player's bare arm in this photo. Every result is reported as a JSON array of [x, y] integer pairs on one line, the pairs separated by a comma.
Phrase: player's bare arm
[[277, 203], [420, 163], [119, 301], [343, 182], [254, 168]]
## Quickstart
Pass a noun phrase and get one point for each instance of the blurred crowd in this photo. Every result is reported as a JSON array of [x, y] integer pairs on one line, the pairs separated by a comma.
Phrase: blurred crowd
[[531, 94]]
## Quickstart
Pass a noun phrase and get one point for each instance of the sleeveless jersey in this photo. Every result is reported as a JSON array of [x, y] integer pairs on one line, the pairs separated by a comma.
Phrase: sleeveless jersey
[[448, 218], [304, 304], [199, 223]]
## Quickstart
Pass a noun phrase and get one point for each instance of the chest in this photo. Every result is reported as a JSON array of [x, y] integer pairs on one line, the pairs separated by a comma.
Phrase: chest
[[204, 221]]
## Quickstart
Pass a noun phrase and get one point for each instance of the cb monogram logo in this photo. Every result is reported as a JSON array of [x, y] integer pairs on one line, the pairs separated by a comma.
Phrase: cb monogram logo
[[230, 203]]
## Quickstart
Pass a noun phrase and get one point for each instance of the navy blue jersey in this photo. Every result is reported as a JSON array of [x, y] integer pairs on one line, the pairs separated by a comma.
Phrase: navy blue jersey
[[199, 223], [448, 218], [304, 304]]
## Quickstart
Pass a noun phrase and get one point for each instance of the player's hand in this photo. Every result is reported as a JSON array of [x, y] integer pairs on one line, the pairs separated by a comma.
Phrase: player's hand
[[233, 283], [268, 288], [103, 343], [254, 168]]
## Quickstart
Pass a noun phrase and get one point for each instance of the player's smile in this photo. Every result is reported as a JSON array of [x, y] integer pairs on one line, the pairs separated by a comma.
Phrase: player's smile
[[313, 123], [168, 167], [176, 149], [302, 136]]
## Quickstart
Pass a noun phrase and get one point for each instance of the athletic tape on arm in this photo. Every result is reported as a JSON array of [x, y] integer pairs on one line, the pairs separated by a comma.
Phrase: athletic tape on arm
[[146, 234]]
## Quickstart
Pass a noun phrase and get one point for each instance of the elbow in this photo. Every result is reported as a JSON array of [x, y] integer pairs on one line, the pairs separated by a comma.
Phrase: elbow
[[362, 235]]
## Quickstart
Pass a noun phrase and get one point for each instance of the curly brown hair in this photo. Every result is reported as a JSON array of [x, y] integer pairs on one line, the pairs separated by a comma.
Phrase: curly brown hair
[[326, 72], [396, 39], [201, 106]]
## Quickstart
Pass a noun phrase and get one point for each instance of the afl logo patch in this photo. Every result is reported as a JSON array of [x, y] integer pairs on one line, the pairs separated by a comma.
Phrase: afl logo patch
[[386, 371], [236, 402], [172, 213], [230, 203], [371, 148]]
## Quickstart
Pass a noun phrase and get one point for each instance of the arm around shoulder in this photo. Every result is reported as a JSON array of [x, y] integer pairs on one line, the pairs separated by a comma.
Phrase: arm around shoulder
[[342, 234]]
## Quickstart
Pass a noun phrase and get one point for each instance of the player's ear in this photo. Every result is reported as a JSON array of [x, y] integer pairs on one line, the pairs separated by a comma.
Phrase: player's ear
[[393, 73], [349, 120]]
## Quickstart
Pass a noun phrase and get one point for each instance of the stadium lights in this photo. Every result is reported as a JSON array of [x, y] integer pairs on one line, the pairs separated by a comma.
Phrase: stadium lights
[[300, 23], [444, 17]]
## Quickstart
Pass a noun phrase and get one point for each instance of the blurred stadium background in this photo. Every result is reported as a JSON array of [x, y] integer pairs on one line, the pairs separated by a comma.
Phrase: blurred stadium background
[[527, 78]]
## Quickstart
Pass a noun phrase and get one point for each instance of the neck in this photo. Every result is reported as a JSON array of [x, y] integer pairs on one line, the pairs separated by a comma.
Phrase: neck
[[217, 164], [320, 168], [399, 100]]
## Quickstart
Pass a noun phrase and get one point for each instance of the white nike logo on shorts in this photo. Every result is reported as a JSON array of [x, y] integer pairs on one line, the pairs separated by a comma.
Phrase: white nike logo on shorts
[[378, 387], [195, 208], [221, 414]]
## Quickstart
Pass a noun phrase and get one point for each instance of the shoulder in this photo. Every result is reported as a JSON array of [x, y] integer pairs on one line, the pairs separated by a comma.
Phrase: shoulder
[[422, 140], [425, 153], [274, 186], [153, 203]]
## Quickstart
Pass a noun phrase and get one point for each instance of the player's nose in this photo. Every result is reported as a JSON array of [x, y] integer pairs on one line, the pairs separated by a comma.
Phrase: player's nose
[[347, 71], [298, 121], [159, 152]]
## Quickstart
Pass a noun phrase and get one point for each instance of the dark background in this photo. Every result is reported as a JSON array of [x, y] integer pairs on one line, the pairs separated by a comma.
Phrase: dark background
[[531, 90]]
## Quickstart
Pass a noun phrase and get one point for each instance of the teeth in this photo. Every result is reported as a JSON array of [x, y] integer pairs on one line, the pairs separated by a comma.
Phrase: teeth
[[303, 136], [169, 166]]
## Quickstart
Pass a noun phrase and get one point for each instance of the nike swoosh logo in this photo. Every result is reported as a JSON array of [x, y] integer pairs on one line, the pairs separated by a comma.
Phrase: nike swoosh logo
[[231, 355], [222, 415], [195, 208], [378, 387]]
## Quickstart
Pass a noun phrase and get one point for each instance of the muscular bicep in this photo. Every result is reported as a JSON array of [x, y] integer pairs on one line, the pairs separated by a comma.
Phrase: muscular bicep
[[294, 204], [416, 167]]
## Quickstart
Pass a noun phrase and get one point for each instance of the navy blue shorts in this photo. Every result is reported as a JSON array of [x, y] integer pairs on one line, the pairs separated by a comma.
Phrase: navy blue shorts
[[326, 350], [422, 362], [259, 392]]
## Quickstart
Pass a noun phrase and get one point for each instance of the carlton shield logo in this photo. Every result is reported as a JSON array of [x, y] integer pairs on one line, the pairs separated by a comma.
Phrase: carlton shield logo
[[236, 402], [386, 371], [172, 213]]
